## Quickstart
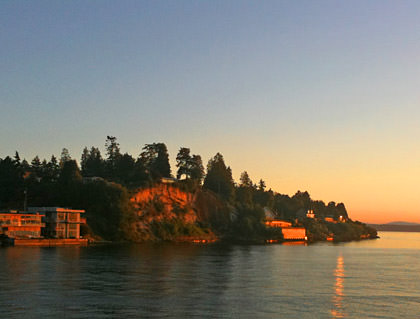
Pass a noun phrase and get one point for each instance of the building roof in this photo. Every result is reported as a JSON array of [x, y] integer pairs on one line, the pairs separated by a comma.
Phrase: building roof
[[56, 209], [15, 212]]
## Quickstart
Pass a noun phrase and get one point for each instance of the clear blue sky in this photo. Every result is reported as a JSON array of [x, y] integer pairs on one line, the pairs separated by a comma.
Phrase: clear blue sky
[[313, 95]]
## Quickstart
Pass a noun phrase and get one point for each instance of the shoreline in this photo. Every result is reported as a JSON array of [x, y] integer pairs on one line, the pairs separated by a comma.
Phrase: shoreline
[[50, 242]]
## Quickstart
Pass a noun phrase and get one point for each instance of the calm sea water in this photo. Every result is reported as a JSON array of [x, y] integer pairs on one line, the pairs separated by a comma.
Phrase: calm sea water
[[368, 279]]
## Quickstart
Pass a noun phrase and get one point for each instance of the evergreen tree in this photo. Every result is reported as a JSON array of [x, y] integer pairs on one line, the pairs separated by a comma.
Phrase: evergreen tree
[[244, 190], [140, 176], [69, 184], [65, 156], [183, 160], [303, 200], [17, 158], [190, 166], [155, 159], [245, 180], [92, 162], [285, 206], [219, 178], [36, 167], [44, 169], [125, 167], [113, 155], [70, 173], [196, 168], [84, 159], [112, 149], [263, 198], [24, 165], [11, 184], [53, 169], [261, 185]]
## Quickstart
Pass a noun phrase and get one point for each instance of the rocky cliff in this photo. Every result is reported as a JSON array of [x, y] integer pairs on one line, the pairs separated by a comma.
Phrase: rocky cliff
[[164, 202], [165, 212]]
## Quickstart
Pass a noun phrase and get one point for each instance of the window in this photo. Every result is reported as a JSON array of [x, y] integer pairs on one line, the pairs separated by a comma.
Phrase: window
[[73, 217]]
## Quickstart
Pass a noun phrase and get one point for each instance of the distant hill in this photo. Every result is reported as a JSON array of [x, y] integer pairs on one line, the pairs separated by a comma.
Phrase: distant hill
[[402, 223], [397, 226]]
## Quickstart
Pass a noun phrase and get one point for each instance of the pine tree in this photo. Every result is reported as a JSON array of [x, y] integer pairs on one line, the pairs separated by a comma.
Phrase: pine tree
[[245, 180], [155, 159], [219, 178], [65, 156], [113, 155], [183, 160]]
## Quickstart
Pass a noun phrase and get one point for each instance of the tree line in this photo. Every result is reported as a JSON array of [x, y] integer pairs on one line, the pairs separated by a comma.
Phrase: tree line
[[102, 185], [49, 182]]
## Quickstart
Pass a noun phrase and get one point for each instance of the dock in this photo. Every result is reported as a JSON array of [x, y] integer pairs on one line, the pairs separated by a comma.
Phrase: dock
[[44, 242]]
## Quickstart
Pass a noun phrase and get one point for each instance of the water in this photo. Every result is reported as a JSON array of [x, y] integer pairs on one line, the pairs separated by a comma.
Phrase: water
[[368, 279]]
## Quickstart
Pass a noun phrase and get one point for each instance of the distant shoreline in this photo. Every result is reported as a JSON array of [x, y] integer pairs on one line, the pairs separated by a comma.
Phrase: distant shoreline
[[398, 228]]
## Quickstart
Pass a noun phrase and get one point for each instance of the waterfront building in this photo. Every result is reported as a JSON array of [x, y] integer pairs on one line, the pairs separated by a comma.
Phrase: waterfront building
[[294, 233], [289, 232], [61, 222], [14, 224]]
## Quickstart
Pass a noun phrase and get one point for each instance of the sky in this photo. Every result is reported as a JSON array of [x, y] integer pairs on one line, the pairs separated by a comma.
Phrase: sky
[[320, 96]]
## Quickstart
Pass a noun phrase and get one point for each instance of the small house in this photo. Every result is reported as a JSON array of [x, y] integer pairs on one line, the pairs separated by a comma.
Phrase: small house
[[330, 219], [310, 214], [289, 232]]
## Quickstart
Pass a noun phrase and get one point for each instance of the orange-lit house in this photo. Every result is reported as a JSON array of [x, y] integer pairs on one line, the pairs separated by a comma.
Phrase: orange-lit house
[[330, 219], [310, 213], [294, 233], [15, 224], [289, 232], [277, 223], [61, 222]]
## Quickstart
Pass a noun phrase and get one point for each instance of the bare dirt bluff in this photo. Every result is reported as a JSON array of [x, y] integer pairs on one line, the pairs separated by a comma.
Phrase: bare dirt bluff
[[167, 212]]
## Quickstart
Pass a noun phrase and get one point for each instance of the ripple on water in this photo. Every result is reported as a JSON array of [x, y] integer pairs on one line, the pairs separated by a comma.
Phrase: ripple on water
[[354, 280]]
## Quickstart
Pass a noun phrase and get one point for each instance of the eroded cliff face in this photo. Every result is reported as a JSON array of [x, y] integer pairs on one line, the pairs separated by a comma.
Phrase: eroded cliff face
[[165, 212], [164, 202]]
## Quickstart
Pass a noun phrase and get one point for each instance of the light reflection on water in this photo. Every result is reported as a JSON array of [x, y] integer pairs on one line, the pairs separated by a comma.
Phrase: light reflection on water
[[338, 311], [350, 280]]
